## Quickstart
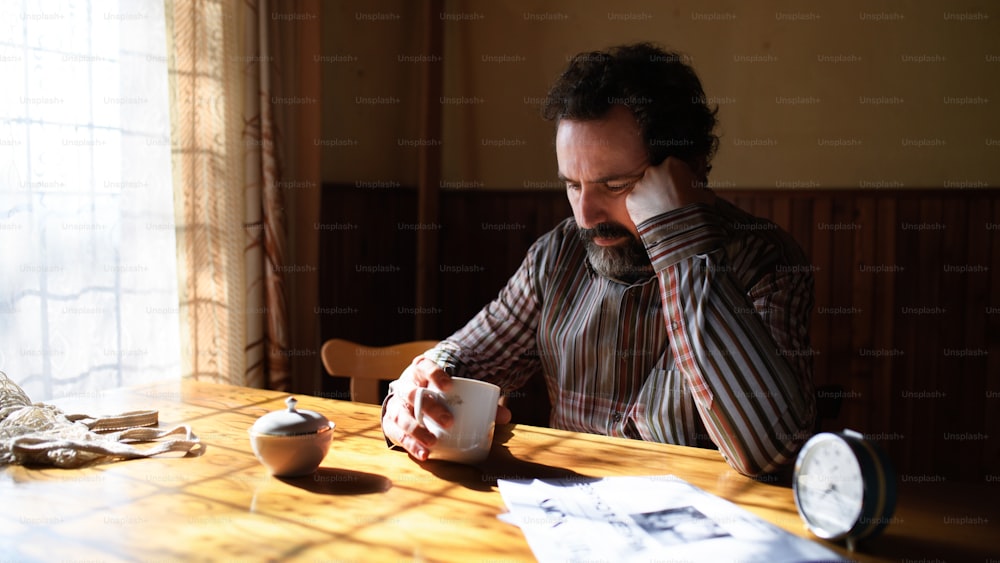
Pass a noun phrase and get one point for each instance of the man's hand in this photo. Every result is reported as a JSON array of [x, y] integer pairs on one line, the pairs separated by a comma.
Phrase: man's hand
[[665, 187], [399, 422]]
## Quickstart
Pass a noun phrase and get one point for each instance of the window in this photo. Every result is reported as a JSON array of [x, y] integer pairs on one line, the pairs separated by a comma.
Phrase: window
[[88, 283]]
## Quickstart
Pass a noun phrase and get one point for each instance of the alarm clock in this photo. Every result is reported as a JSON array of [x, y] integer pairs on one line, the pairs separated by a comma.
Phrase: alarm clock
[[844, 487]]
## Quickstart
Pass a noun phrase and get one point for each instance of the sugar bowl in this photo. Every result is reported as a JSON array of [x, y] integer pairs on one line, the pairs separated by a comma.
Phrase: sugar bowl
[[291, 442]]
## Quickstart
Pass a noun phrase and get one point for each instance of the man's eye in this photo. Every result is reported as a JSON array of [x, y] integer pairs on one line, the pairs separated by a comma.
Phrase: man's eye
[[572, 186], [620, 187]]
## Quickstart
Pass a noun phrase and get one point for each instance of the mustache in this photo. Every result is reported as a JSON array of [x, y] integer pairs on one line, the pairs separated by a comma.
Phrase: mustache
[[605, 230]]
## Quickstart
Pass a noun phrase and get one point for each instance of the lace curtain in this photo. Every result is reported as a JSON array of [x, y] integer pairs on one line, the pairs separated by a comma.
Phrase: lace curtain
[[88, 290], [141, 229]]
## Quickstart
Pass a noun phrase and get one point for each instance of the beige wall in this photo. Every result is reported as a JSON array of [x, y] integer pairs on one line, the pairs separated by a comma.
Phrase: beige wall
[[851, 94]]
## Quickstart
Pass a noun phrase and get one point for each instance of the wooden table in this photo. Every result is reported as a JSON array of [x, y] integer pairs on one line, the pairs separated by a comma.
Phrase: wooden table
[[368, 503]]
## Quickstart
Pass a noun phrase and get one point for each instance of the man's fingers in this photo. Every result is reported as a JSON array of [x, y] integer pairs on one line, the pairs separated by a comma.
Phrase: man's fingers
[[428, 372], [503, 414], [403, 430], [400, 420], [415, 448], [408, 442], [430, 407]]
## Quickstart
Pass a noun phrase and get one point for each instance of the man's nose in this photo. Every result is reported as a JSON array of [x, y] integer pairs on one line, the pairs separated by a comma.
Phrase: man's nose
[[593, 207]]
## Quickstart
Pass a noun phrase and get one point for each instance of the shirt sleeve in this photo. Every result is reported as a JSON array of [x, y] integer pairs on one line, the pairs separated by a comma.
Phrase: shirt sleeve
[[737, 306], [498, 345]]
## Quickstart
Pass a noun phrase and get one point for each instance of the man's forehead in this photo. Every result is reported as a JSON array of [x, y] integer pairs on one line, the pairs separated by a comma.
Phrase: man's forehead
[[600, 149], [619, 118], [582, 141]]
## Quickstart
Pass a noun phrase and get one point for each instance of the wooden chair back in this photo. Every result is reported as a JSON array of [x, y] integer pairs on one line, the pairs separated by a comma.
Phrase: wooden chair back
[[366, 366]]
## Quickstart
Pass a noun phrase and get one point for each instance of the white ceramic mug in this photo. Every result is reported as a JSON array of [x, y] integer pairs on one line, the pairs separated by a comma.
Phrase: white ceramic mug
[[473, 404]]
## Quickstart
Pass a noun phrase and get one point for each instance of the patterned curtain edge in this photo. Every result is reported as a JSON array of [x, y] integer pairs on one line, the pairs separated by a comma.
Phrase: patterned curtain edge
[[230, 214], [272, 207]]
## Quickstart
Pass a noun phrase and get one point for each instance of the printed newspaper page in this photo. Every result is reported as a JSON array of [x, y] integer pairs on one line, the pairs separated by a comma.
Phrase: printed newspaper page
[[642, 519]]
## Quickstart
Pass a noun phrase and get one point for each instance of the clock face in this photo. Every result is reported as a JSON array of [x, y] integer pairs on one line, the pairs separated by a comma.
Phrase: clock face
[[829, 487]]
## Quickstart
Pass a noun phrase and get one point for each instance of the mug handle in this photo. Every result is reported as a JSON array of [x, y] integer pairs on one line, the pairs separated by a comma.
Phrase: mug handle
[[418, 405]]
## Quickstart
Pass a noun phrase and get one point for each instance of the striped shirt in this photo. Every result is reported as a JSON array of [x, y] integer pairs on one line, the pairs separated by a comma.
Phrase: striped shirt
[[712, 349]]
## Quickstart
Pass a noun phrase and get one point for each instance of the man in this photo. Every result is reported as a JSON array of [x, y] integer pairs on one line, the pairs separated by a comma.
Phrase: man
[[659, 311]]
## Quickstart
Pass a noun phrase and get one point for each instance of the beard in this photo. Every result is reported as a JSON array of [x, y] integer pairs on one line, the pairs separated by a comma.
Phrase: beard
[[626, 261]]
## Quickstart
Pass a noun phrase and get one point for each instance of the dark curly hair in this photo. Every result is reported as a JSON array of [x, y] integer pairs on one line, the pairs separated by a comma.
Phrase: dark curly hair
[[661, 90]]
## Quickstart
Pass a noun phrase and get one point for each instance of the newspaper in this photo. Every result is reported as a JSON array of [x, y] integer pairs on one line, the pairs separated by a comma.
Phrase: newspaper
[[655, 518]]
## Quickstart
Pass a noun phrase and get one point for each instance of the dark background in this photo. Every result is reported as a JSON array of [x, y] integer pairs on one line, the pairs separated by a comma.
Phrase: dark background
[[869, 132], [911, 343]]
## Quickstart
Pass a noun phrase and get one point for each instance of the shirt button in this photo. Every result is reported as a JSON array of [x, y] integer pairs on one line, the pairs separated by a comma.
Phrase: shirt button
[[617, 417], [674, 325]]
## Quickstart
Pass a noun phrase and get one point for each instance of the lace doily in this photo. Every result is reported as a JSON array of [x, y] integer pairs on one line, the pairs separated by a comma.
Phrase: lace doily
[[40, 434]]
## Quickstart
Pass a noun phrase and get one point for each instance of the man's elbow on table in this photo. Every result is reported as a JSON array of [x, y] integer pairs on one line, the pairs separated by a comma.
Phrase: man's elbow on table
[[756, 464]]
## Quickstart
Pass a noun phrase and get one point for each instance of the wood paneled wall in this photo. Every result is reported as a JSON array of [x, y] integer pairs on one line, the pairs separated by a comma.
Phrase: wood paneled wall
[[906, 323]]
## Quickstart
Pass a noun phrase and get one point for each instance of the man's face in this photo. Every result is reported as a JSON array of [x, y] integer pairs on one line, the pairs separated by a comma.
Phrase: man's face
[[600, 160]]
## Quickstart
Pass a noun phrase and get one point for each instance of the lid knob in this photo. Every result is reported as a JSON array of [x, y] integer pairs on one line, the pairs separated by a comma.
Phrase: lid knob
[[291, 421]]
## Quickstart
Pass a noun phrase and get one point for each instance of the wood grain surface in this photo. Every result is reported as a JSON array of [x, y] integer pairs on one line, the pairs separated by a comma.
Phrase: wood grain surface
[[370, 503]]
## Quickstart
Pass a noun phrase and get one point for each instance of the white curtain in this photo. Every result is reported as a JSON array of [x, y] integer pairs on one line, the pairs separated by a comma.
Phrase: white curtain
[[88, 267]]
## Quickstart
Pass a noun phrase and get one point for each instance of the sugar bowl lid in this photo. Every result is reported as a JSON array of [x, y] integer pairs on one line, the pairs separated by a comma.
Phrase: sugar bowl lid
[[291, 422]]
